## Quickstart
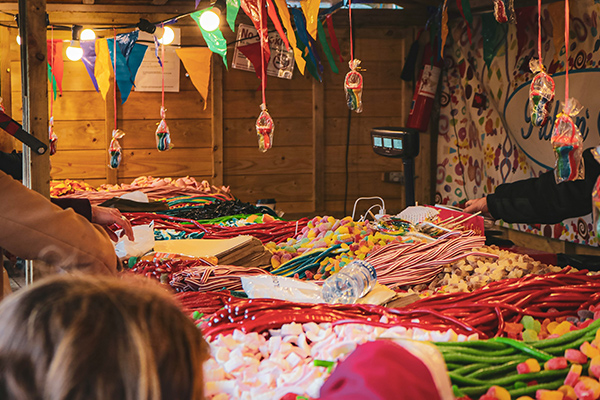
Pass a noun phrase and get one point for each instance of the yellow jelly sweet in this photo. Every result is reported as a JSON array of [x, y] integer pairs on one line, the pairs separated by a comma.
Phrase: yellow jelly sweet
[[568, 392], [499, 393], [589, 350], [562, 328]]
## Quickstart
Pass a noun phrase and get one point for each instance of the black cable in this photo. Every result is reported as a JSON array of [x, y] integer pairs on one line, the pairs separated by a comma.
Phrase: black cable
[[347, 152]]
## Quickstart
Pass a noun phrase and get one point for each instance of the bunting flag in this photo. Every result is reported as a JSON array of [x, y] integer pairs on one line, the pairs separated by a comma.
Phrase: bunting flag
[[333, 37], [233, 7], [493, 35], [284, 14], [215, 40], [256, 14], [310, 8], [524, 22], [273, 15], [55, 58], [326, 48], [464, 6], [52, 81], [196, 61], [89, 59], [128, 60], [252, 52], [557, 16], [103, 67], [444, 28], [197, 2], [310, 66], [303, 36]]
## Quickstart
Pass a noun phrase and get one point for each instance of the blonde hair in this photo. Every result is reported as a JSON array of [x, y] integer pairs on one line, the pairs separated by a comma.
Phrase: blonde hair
[[84, 338]]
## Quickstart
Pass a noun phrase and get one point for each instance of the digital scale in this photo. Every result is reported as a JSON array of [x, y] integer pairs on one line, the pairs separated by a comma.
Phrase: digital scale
[[402, 143]]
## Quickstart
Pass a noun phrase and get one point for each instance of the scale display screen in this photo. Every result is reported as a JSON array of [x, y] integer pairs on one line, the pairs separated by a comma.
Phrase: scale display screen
[[377, 141], [387, 143], [395, 142]]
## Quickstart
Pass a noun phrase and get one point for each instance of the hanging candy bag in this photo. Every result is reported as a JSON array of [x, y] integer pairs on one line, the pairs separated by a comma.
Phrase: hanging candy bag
[[163, 136], [115, 148], [541, 94], [52, 137], [353, 85], [264, 129], [567, 144]]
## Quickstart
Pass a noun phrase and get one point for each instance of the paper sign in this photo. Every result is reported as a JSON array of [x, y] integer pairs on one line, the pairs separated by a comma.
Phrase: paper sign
[[281, 63], [149, 78]]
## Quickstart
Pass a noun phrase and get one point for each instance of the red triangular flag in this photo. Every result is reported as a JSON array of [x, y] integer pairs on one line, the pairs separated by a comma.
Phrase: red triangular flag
[[55, 59]]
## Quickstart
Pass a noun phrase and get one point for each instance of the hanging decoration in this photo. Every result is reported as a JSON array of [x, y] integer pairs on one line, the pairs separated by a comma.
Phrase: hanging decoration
[[273, 16], [566, 139], [89, 60], [310, 66], [541, 91], [55, 58], [525, 16], [215, 40], [253, 52], [305, 39], [557, 18], [504, 11], [333, 37], [264, 123], [353, 83], [114, 149], [163, 136], [197, 2], [326, 49], [102, 67], [493, 36], [444, 28], [197, 61], [310, 8], [233, 7], [596, 196], [284, 14], [128, 56], [52, 138], [464, 6]]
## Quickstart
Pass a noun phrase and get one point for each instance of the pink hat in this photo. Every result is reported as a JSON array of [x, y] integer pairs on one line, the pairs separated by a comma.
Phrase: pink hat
[[384, 370]]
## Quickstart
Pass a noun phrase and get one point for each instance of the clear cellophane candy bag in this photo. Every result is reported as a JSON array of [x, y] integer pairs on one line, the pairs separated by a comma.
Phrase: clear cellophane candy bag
[[264, 129], [115, 148], [567, 144], [353, 85], [504, 11], [163, 136], [596, 196], [541, 94], [52, 137]]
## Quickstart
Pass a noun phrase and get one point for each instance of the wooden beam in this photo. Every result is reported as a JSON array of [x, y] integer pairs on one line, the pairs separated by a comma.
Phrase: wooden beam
[[112, 9], [88, 2], [159, 2], [318, 128], [216, 96], [7, 142]]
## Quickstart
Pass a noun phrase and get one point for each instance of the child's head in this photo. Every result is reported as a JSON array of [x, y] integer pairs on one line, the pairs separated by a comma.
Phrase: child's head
[[86, 338]]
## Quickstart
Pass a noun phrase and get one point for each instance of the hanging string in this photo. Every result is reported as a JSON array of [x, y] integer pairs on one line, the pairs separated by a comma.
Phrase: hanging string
[[263, 83], [540, 31], [115, 75], [162, 68], [566, 50], [52, 76], [350, 18]]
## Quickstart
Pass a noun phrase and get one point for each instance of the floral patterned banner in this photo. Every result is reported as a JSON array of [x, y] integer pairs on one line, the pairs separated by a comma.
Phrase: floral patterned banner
[[485, 136]]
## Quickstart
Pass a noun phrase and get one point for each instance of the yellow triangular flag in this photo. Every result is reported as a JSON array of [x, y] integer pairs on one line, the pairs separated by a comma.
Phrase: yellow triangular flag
[[196, 61], [103, 67], [310, 8], [284, 14]]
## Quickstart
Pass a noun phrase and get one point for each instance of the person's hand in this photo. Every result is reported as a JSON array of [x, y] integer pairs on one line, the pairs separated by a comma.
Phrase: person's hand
[[105, 217], [477, 205]]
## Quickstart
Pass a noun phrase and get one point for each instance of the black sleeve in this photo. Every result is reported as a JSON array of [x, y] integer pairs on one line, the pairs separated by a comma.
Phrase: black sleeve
[[11, 164], [542, 201], [82, 207]]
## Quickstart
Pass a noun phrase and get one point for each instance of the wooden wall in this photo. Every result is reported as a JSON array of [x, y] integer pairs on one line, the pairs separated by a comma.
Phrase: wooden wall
[[304, 171]]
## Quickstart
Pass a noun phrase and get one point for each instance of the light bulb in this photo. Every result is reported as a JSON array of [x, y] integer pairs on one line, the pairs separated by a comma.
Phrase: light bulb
[[19, 39], [74, 53], [87, 34], [210, 21], [167, 37]]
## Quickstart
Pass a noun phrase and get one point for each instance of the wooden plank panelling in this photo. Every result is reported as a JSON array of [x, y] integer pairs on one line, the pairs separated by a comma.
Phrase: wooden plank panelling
[[172, 163], [283, 187], [360, 158], [281, 103], [360, 129], [78, 164], [241, 132], [80, 135], [249, 160], [140, 134], [376, 103]]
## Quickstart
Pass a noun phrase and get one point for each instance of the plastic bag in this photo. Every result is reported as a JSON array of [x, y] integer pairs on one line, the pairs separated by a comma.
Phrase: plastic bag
[[568, 144], [264, 129], [596, 207], [504, 11], [353, 85], [163, 136], [144, 242], [541, 94], [52, 137], [282, 288], [115, 148]]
